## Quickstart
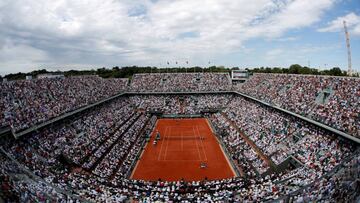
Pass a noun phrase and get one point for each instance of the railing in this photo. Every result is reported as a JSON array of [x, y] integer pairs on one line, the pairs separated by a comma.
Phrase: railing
[[5, 130], [178, 93]]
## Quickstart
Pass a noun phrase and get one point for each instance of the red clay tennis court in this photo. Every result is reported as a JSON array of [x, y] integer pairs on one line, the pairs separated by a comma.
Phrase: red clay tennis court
[[184, 146]]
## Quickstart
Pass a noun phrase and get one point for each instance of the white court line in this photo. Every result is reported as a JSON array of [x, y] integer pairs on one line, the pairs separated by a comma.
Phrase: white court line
[[183, 160], [201, 141], [203, 145], [182, 142], [167, 144], [197, 147], [197, 144], [162, 142]]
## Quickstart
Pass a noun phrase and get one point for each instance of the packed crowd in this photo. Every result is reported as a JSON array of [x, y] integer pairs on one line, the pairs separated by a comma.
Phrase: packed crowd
[[18, 185], [120, 150], [334, 101], [342, 185], [242, 190], [275, 133], [89, 156], [161, 103], [181, 104], [180, 82], [280, 136], [241, 152], [29, 102]]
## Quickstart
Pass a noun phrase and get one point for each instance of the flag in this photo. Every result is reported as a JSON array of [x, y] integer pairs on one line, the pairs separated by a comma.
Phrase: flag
[[168, 63]]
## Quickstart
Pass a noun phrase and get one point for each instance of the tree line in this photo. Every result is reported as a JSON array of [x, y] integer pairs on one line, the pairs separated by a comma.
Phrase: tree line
[[129, 71], [298, 69]]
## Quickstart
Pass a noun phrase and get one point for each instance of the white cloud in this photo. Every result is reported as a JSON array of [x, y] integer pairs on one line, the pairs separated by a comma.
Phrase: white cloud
[[17, 57], [145, 32], [286, 39], [292, 52], [352, 22], [274, 54]]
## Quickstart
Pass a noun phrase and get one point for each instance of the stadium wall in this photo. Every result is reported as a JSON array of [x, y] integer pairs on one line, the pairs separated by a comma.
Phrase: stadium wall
[[179, 93]]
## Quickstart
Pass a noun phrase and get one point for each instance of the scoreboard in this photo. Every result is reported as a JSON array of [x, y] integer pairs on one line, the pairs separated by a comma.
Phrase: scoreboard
[[239, 74]]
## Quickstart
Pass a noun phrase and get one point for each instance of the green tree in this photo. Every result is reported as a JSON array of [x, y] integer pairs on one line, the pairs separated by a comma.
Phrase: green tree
[[336, 71], [295, 69]]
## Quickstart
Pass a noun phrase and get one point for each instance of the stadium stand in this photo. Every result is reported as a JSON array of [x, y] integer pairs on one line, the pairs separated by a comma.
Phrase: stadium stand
[[333, 101], [89, 156], [181, 104], [29, 102], [180, 82]]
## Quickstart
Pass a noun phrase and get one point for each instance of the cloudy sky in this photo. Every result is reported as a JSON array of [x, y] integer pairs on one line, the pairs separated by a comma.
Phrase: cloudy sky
[[67, 34]]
